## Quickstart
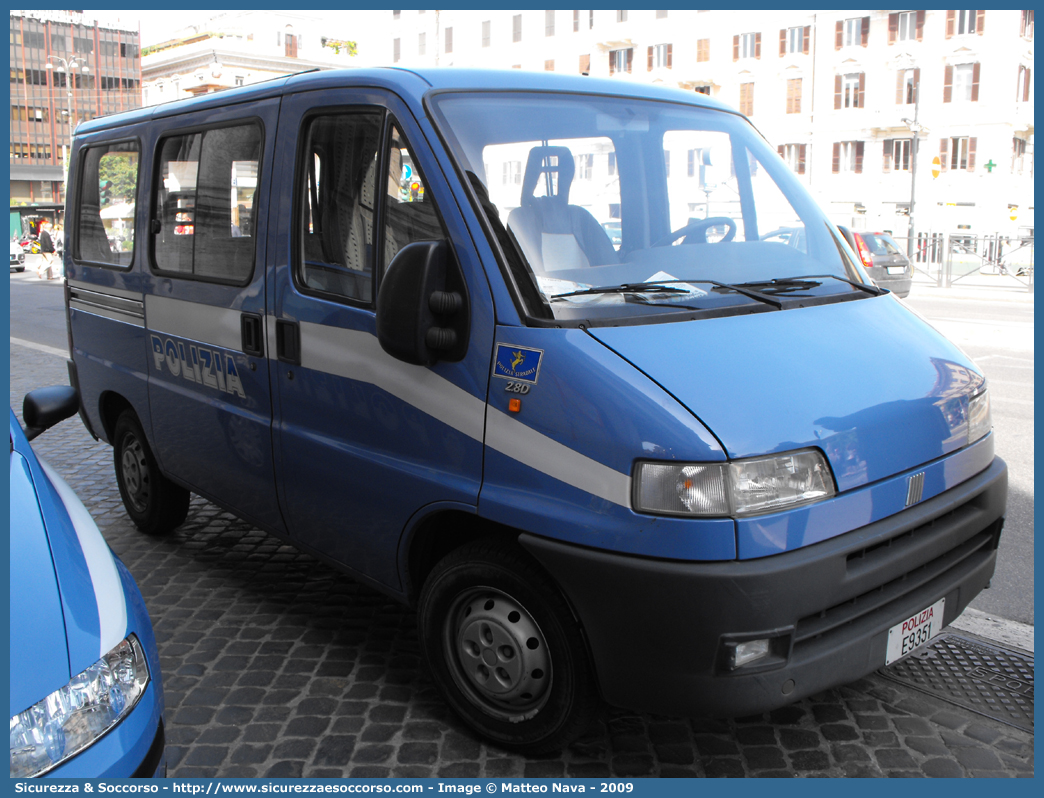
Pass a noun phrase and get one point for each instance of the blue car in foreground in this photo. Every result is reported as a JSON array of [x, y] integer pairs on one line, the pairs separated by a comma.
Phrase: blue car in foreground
[[85, 680]]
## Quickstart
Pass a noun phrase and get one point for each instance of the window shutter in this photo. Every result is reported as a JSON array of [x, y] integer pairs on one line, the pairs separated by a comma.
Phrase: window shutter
[[780, 149], [975, 82], [948, 85], [757, 45], [837, 92], [920, 25], [859, 157], [944, 158], [971, 153], [585, 64], [839, 34], [861, 98], [612, 63], [900, 86], [797, 96], [917, 82], [801, 159], [837, 157], [887, 167], [650, 59], [630, 58], [1026, 87], [735, 48], [782, 42], [866, 32], [893, 28], [951, 23], [980, 21], [805, 36], [670, 56]]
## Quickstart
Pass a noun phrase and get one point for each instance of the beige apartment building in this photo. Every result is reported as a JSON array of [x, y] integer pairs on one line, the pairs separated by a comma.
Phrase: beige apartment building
[[842, 95]]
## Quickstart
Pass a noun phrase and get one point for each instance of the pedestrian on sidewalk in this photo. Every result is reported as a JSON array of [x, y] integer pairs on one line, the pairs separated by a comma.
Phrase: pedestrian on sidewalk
[[46, 252]]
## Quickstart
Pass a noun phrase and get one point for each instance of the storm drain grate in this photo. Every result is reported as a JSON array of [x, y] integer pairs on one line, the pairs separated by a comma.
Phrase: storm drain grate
[[991, 681]]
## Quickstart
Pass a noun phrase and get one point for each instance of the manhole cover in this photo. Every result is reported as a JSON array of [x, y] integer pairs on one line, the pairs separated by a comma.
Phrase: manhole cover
[[992, 681]]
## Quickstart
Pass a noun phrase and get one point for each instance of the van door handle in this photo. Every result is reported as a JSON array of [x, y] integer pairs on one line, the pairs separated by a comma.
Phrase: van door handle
[[253, 340], [288, 342]]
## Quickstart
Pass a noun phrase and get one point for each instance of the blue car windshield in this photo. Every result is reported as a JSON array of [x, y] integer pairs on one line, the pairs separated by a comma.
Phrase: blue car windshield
[[592, 197]]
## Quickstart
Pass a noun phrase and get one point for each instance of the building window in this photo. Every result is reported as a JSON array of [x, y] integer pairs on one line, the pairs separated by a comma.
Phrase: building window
[[746, 45], [966, 22], [395, 51], [907, 81], [239, 80], [421, 43], [512, 173], [746, 103], [852, 90], [590, 19], [620, 60], [516, 28], [702, 50], [1022, 93], [853, 32], [584, 166], [1018, 155], [1026, 25], [621, 16], [794, 96], [900, 152], [959, 152], [794, 156], [907, 26], [702, 90], [485, 33], [848, 157], [396, 14], [961, 83], [795, 40], [549, 65], [449, 40], [549, 23], [660, 56]]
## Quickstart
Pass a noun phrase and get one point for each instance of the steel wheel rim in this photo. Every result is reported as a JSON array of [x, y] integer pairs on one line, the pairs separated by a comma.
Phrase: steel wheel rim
[[135, 472], [497, 654]]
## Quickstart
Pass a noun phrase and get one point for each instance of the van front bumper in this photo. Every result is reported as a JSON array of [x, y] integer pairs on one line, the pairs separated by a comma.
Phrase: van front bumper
[[658, 630]]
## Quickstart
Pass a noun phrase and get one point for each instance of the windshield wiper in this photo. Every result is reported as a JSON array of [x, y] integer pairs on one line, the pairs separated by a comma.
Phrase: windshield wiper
[[782, 286], [789, 281], [739, 289], [630, 288]]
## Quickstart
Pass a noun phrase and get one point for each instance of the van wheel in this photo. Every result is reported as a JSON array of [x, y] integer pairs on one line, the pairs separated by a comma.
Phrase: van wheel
[[504, 649], [155, 504]]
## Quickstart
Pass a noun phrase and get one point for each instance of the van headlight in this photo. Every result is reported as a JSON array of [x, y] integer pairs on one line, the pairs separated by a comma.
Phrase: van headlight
[[74, 717], [979, 420], [742, 487]]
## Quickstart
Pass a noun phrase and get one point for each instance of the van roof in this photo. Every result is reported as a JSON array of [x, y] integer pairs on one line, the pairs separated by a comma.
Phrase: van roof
[[409, 83]]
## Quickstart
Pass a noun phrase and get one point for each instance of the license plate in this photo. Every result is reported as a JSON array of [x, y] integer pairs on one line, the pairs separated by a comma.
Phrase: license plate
[[896, 269], [915, 631]]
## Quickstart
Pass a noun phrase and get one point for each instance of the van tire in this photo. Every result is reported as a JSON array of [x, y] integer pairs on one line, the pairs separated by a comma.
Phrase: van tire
[[505, 650], [155, 504]]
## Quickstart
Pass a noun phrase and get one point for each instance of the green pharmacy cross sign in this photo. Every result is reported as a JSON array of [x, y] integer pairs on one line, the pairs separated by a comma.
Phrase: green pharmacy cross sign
[[989, 166]]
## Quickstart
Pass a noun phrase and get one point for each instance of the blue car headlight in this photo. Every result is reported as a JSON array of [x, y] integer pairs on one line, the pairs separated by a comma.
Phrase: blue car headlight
[[74, 717]]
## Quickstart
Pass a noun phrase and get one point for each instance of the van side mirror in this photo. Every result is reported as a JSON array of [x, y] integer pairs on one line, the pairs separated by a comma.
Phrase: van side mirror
[[422, 305], [45, 407]]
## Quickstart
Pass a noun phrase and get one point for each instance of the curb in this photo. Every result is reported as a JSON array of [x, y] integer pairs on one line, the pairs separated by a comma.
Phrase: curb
[[1007, 633]]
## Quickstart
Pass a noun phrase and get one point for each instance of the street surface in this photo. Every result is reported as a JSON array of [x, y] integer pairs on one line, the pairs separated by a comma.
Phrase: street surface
[[996, 332]]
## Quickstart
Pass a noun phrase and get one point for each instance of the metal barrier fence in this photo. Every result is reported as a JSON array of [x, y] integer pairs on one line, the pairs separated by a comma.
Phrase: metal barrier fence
[[949, 259]]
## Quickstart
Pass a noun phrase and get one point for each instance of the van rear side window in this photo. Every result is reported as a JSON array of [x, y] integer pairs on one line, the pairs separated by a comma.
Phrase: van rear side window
[[105, 229], [204, 204]]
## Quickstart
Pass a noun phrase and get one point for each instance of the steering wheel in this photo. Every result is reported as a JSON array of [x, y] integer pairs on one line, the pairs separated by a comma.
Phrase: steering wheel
[[700, 226]]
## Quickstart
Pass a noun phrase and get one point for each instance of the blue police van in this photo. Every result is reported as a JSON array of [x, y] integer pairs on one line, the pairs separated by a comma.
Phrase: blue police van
[[86, 693], [703, 466]]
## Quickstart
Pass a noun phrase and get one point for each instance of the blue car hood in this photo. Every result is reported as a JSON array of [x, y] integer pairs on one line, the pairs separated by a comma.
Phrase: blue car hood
[[866, 381], [39, 652]]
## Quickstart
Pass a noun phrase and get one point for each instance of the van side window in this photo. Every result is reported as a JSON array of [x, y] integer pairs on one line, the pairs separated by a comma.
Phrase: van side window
[[205, 203], [336, 180], [105, 229], [410, 213]]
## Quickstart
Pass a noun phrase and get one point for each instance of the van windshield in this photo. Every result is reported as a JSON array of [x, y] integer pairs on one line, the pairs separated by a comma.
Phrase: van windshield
[[593, 198]]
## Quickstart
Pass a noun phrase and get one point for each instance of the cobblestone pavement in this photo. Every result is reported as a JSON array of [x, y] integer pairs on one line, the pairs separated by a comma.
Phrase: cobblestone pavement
[[276, 665]]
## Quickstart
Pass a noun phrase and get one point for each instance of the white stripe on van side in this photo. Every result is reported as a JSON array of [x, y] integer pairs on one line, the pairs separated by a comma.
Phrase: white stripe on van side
[[358, 356], [511, 437], [105, 579], [193, 320]]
